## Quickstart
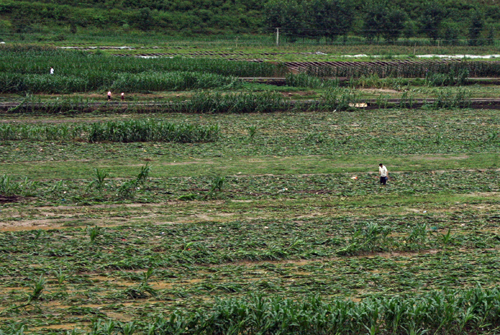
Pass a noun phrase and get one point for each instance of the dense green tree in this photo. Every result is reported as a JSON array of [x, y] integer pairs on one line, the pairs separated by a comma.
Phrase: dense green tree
[[145, 20], [373, 19], [475, 28], [330, 18], [451, 33], [490, 39], [288, 15], [432, 16], [383, 19], [410, 29], [375, 13], [394, 25]]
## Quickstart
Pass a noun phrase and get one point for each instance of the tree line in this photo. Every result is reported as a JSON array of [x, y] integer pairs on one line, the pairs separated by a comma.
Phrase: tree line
[[330, 20], [386, 20]]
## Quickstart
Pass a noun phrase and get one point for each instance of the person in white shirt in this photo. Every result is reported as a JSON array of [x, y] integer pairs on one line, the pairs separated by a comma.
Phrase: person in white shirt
[[109, 95], [51, 70], [383, 174]]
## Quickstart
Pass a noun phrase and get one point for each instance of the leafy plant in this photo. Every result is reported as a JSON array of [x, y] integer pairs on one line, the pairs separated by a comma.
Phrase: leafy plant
[[216, 186], [143, 290], [38, 288], [98, 182], [127, 189], [142, 177], [447, 238], [373, 237], [252, 130], [93, 233], [60, 275]]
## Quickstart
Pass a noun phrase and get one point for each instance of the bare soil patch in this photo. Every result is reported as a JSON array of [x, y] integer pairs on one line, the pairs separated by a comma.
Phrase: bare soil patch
[[378, 90]]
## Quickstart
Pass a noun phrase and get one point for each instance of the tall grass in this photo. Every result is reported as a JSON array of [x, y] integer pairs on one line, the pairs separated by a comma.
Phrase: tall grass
[[155, 81], [401, 69], [11, 187], [205, 102], [77, 63], [305, 80], [140, 130], [26, 69], [149, 130], [333, 99], [455, 77], [41, 132], [437, 312], [123, 82]]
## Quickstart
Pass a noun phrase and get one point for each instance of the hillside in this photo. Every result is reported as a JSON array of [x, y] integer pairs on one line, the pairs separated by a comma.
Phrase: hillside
[[187, 17]]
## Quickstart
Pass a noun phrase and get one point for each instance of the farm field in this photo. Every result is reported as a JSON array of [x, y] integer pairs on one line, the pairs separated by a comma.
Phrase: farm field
[[247, 46], [223, 211]]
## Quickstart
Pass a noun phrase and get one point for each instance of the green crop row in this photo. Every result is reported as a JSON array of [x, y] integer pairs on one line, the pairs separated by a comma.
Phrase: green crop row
[[437, 312], [123, 82], [450, 312], [151, 130], [406, 70], [140, 130], [334, 99], [101, 66], [305, 80]]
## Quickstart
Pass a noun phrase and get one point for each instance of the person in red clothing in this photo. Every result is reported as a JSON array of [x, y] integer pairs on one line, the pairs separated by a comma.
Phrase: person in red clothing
[[123, 96]]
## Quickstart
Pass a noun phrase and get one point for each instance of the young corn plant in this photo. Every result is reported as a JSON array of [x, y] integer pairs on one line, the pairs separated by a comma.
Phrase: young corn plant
[[38, 288], [143, 175], [93, 233], [446, 238], [98, 182], [127, 190], [372, 238], [146, 130], [128, 328], [143, 290], [216, 186], [60, 276], [8, 186], [15, 329], [252, 130], [418, 237]]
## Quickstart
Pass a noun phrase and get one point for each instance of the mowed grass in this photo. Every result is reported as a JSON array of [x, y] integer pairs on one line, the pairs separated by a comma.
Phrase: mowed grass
[[281, 205]]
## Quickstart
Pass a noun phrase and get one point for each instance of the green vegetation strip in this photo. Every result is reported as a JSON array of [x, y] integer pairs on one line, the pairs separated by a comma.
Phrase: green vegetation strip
[[449, 312], [26, 69], [135, 130], [252, 187]]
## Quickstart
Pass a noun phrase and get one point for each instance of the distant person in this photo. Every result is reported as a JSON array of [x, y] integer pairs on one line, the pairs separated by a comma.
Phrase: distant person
[[123, 96], [383, 174], [51, 70], [109, 95]]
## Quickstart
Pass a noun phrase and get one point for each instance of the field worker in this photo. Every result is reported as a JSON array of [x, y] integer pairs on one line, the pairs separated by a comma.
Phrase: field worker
[[109, 95], [123, 96], [51, 70], [383, 173]]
